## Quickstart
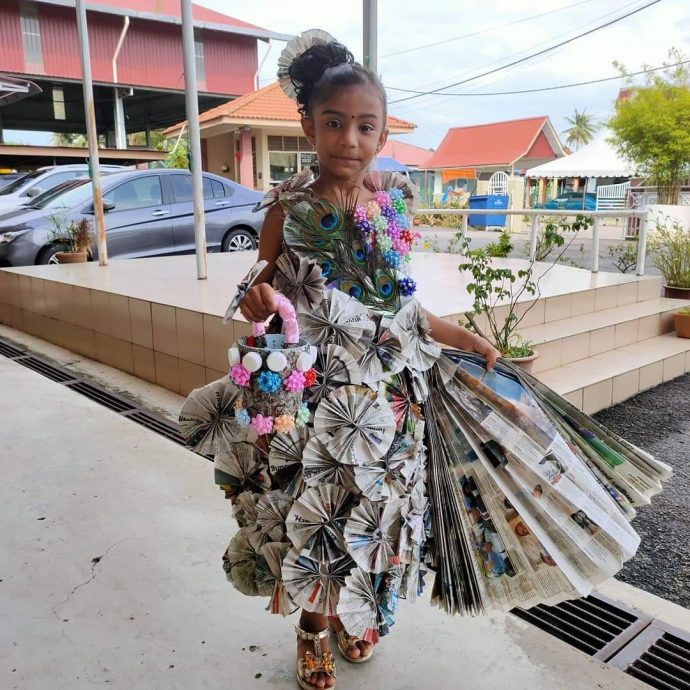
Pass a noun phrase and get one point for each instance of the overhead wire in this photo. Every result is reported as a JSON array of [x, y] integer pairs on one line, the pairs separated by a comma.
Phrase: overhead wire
[[533, 55]]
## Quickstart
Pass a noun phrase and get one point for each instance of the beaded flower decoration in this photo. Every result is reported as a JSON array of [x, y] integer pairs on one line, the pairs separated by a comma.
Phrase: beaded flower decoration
[[385, 227]]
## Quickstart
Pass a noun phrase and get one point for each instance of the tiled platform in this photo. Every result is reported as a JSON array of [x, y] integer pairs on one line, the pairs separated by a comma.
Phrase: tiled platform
[[154, 319]]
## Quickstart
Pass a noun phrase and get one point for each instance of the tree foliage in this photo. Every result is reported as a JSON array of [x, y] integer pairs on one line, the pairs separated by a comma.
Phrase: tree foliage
[[581, 130], [651, 127]]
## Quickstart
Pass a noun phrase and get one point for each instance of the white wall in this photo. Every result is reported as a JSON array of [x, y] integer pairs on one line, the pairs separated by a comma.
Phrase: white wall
[[662, 212]]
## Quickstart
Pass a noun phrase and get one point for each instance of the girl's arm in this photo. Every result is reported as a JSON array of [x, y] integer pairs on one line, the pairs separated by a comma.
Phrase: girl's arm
[[259, 302], [461, 339]]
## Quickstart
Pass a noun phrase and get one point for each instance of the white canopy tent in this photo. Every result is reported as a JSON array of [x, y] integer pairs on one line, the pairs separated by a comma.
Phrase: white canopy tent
[[596, 159]]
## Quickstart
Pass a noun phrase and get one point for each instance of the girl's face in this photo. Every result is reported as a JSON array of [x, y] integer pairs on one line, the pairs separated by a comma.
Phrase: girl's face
[[348, 130]]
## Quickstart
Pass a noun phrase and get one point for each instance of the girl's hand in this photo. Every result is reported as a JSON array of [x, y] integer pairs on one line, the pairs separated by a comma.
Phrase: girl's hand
[[259, 303], [483, 347]]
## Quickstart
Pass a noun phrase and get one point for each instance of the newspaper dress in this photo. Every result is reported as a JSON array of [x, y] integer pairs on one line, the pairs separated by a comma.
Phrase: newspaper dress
[[406, 462]]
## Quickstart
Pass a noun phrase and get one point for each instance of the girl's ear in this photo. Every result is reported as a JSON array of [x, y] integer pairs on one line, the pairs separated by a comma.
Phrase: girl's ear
[[382, 140], [308, 129]]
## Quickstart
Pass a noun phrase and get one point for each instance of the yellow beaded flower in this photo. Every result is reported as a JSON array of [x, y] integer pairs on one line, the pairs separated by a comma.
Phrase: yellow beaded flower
[[283, 423]]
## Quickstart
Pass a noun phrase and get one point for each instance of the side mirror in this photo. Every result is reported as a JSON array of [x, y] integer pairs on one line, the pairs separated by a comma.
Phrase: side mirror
[[34, 191], [108, 206]]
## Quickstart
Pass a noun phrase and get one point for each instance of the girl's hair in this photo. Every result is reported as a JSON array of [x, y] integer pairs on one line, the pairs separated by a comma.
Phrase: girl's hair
[[321, 69]]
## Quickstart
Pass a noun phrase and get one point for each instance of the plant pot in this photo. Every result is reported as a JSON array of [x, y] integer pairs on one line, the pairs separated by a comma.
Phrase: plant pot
[[676, 292], [72, 257], [681, 323], [526, 363], [416, 220]]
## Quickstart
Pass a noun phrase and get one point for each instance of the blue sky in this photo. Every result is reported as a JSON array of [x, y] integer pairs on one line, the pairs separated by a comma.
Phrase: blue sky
[[642, 39]]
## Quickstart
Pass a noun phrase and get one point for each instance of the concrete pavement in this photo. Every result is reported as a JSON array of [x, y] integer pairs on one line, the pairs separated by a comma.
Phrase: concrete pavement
[[110, 576]]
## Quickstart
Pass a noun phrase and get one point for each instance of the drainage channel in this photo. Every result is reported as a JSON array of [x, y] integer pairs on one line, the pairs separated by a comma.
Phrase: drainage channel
[[616, 635]]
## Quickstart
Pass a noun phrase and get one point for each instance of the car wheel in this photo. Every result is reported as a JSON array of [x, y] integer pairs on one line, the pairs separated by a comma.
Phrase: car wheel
[[239, 240], [48, 255]]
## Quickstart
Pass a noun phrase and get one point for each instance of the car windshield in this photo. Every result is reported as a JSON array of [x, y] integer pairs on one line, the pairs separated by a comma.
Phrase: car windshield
[[42, 199], [18, 184], [75, 195]]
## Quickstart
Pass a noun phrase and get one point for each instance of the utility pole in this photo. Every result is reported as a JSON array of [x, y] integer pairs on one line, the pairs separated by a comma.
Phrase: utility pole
[[192, 107], [91, 133], [370, 31]]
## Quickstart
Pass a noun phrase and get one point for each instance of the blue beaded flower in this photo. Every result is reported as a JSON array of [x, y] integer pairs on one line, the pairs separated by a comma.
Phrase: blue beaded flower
[[395, 193], [388, 212], [407, 286], [242, 417], [269, 382], [392, 258], [365, 227]]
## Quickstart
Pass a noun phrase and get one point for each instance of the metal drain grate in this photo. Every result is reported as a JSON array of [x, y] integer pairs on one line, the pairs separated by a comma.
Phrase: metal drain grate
[[57, 374], [103, 397], [594, 625], [160, 426], [660, 657], [10, 350]]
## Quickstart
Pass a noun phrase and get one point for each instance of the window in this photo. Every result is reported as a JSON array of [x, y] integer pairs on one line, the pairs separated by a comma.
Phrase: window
[[218, 189], [58, 103], [199, 56], [51, 181], [139, 193], [182, 188], [282, 165], [31, 37]]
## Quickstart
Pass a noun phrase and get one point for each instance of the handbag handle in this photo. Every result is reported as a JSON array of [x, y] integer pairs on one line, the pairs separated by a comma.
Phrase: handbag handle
[[286, 312]]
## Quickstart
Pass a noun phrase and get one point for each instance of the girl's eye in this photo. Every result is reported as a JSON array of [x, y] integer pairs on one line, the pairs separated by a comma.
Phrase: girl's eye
[[333, 123], [367, 129]]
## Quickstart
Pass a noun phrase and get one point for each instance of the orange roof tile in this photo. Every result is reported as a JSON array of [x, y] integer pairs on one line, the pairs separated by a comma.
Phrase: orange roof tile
[[270, 103], [497, 143], [407, 154]]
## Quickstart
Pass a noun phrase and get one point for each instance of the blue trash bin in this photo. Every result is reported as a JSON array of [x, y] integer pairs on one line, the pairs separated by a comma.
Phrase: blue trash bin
[[489, 201]]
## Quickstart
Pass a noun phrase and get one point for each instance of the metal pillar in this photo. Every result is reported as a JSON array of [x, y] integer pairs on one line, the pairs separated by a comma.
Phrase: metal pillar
[[120, 132], [370, 31], [91, 133], [192, 107]]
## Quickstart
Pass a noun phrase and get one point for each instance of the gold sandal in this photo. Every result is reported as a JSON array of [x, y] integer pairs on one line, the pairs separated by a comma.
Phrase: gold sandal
[[345, 641], [313, 662]]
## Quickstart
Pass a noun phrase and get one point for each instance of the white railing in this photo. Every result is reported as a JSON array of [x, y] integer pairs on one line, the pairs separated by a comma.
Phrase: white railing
[[642, 197], [612, 197], [534, 216]]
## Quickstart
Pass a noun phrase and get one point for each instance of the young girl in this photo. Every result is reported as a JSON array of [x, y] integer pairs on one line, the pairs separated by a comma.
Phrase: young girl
[[403, 457]]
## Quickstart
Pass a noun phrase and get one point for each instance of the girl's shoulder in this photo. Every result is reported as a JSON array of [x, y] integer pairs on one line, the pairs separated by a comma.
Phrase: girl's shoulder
[[295, 188]]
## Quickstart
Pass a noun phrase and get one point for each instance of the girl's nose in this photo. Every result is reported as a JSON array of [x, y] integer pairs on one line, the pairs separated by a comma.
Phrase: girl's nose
[[350, 135]]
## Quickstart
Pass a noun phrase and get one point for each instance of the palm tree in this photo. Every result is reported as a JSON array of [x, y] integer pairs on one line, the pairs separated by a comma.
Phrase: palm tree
[[581, 130]]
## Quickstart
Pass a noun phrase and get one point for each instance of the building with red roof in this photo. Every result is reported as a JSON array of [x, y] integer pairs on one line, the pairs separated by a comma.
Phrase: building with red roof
[[257, 139], [136, 62], [468, 156], [408, 154]]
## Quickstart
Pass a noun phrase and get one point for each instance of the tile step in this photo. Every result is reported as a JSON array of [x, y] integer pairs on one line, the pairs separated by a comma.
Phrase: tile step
[[611, 377], [569, 340]]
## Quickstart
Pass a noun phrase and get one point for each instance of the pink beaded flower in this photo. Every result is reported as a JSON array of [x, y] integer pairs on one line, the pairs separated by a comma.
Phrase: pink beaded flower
[[262, 425], [239, 375], [283, 424], [382, 198], [359, 214], [295, 381]]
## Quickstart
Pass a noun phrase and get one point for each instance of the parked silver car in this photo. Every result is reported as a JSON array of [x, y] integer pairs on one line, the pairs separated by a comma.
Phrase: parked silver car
[[25, 188], [147, 213]]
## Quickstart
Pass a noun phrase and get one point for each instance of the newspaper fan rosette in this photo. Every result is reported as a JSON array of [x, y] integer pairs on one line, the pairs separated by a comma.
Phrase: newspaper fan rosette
[[340, 320], [294, 48], [313, 585], [334, 367], [273, 554], [372, 534], [241, 558], [271, 512], [389, 477], [300, 280], [358, 608], [383, 358], [207, 418], [412, 329], [401, 398], [412, 529], [316, 521], [320, 467], [358, 426], [243, 288], [244, 508], [285, 460], [389, 598], [240, 470]]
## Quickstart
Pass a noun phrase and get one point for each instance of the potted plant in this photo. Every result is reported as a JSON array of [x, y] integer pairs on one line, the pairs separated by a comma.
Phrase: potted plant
[[74, 239], [495, 290], [669, 249], [681, 322]]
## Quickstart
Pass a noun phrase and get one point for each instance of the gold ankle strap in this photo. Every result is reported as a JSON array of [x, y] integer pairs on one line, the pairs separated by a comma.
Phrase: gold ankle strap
[[311, 636]]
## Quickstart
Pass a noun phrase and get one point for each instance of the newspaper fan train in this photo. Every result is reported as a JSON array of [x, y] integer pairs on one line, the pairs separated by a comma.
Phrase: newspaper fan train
[[364, 463]]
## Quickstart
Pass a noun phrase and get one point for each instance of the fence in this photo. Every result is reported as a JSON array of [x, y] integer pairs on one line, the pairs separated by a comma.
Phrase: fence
[[535, 214]]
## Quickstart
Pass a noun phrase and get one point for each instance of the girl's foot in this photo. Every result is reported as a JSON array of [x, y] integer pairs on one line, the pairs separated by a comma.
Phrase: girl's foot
[[315, 665], [351, 648]]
